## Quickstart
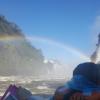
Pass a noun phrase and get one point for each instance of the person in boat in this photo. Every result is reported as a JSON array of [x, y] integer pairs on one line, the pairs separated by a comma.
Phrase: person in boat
[[84, 85]]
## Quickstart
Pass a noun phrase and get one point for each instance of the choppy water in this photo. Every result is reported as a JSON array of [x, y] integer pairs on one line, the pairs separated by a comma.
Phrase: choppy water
[[38, 86]]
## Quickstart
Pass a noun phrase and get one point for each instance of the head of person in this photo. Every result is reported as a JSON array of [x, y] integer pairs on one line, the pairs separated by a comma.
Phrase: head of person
[[89, 70]]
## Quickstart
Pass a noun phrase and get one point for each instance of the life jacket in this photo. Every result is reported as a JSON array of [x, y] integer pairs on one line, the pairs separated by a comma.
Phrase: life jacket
[[10, 93], [66, 94], [16, 93]]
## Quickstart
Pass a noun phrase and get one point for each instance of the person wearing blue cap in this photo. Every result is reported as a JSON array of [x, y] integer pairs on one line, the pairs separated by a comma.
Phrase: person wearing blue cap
[[84, 85]]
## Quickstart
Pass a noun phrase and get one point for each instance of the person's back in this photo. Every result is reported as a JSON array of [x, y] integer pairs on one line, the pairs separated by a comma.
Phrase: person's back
[[84, 85]]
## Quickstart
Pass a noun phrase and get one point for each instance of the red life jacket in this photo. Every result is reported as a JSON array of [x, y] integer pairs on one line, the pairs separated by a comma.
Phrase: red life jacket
[[68, 94]]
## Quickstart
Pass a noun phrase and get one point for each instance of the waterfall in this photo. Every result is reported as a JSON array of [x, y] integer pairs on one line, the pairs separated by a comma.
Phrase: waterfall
[[95, 57]]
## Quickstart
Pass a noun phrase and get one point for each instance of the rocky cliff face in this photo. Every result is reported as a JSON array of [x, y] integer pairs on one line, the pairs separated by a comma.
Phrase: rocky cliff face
[[9, 28], [17, 56]]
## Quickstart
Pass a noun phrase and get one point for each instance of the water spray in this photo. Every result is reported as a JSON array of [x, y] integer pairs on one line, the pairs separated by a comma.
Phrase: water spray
[[95, 57]]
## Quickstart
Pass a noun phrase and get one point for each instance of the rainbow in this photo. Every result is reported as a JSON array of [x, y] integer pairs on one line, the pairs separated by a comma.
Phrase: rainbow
[[61, 45], [48, 41]]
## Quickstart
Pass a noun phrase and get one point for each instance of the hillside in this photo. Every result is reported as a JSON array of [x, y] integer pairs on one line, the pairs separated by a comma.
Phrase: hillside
[[17, 56]]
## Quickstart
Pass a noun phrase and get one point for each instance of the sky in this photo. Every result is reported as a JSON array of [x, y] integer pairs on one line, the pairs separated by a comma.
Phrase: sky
[[70, 24]]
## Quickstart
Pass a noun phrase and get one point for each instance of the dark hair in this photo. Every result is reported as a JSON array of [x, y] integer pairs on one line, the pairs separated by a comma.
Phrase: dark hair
[[89, 70]]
